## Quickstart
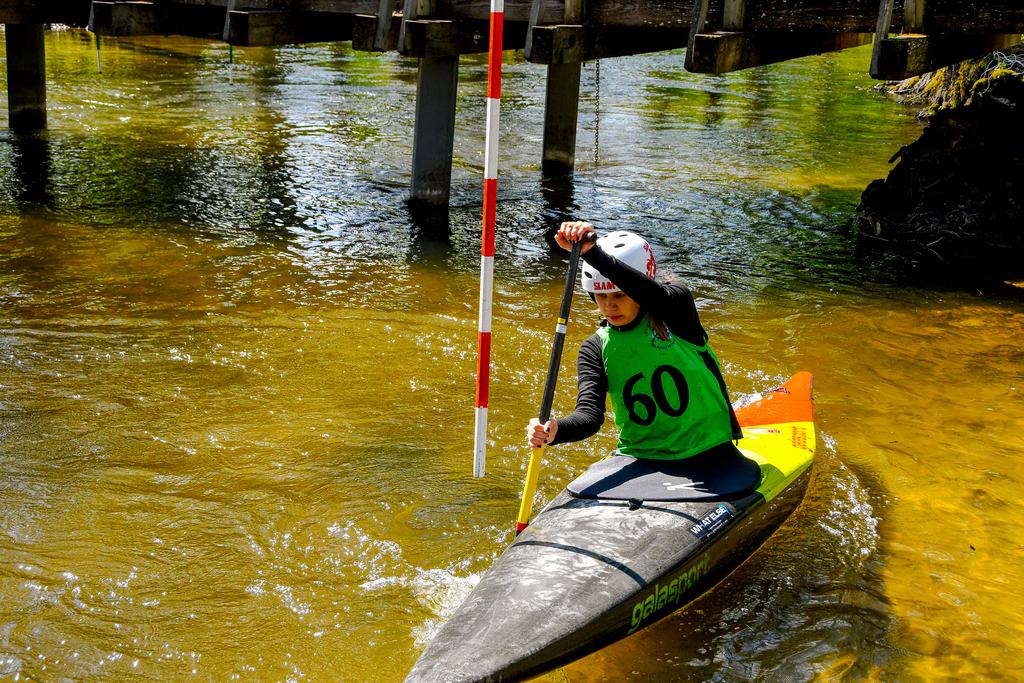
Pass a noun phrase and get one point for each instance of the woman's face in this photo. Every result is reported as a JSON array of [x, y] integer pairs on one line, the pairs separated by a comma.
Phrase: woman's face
[[617, 308]]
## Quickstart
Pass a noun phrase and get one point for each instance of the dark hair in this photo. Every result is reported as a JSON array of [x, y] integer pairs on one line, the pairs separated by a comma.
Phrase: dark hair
[[659, 327]]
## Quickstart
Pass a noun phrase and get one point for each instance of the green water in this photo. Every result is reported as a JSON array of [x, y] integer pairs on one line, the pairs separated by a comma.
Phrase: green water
[[237, 376]]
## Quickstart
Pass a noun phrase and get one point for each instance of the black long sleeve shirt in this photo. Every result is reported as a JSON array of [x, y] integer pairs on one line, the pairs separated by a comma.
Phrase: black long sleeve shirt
[[672, 304]]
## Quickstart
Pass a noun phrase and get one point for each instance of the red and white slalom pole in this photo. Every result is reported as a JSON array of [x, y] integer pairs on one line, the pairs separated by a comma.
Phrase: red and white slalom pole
[[483, 366]]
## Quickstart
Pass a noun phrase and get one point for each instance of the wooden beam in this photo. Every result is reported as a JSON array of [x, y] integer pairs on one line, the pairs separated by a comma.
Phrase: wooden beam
[[261, 27], [18, 12], [382, 28], [810, 16], [73, 12], [563, 44], [574, 12], [899, 57], [835, 16], [936, 34], [125, 18], [138, 18], [365, 34], [226, 33], [913, 16], [426, 35], [434, 133], [562, 92], [698, 22], [564, 40], [561, 109], [903, 56], [557, 45], [270, 27], [722, 52], [536, 10], [990, 16], [328, 6], [432, 38], [26, 76], [733, 14], [516, 11], [410, 11], [882, 25]]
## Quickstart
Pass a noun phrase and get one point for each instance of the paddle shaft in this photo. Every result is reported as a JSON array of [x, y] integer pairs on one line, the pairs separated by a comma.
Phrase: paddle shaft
[[533, 468]]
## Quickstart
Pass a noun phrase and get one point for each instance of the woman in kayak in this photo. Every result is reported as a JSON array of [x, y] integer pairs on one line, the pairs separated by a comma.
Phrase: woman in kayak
[[650, 354]]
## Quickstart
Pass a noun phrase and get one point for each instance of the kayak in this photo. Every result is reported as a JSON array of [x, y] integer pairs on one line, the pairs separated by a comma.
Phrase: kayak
[[626, 544]]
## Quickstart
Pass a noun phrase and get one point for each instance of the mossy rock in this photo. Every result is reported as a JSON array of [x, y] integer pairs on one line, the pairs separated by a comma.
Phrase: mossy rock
[[954, 86], [952, 209]]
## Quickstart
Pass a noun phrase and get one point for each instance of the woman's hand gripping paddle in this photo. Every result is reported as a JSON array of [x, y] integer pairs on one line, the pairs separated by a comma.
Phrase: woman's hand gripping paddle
[[533, 469]]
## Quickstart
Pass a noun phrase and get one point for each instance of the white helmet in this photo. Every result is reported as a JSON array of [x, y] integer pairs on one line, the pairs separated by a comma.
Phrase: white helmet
[[630, 249]]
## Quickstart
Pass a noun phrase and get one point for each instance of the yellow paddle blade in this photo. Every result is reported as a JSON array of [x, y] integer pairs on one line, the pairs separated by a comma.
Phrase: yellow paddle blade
[[530, 488]]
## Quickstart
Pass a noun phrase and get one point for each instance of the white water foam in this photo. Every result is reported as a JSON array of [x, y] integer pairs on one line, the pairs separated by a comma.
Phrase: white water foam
[[442, 592]]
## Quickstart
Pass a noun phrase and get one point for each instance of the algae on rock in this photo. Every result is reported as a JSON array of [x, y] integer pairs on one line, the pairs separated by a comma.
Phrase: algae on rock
[[952, 209]]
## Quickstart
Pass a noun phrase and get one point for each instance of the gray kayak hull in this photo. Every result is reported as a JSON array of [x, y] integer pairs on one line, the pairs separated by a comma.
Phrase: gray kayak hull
[[590, 572]]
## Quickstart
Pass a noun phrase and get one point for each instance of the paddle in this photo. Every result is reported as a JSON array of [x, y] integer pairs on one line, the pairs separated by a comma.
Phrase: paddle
[[533, 469]]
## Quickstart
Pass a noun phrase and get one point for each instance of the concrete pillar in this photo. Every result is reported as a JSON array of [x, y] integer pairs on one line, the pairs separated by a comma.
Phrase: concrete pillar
[[561, 106], [434, 134], [26, 76]]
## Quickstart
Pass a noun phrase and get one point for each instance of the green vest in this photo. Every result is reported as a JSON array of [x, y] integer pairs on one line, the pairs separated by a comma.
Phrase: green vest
[[665, 394]]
